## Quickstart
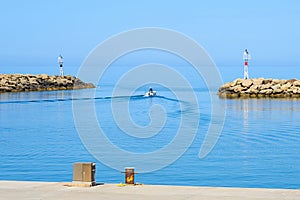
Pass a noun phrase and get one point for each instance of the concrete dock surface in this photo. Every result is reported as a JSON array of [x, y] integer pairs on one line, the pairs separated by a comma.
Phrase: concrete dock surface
[[13, 190]]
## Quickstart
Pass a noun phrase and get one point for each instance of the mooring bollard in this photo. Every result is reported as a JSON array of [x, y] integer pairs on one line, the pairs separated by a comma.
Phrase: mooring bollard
[[129, 175]]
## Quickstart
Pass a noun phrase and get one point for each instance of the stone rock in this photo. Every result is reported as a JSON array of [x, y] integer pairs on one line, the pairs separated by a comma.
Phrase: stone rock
[[262, 91], [4, 89], [275, 87], [283, 81], [237, 82], [32, 80], [61, 82], [275, 81], [227, 85], [3, 81], [291, 80], [258, 81], [254, 87], [277, 91], [44, 76], [295, 91], [268, 91], [265, 86], [286, 86], [253, 90], [247, 83], [266, 81], [238, 89], [12, 82], [296, 83]]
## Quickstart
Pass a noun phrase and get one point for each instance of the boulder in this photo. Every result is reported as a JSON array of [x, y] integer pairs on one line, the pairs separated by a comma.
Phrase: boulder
[[238, 89], [262, 91], [253, 90], [265, 86], [283, 81], [296, 83], [254, 87], [237, 82], [61, 82], [247, 83], [295, 91], [6, 89], [266, 91], [68, 77], [266, 81], [258, 81], [275, 87], [227, 85], [286, 86], [3, 81], [291, 80], [275, 81], [12, 82], [232, 84], [32, 80], [23, 81], [44, 76], [277, 91]]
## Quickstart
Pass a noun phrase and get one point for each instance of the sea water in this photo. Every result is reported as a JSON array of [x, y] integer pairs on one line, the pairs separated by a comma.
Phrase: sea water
[[259, 144]]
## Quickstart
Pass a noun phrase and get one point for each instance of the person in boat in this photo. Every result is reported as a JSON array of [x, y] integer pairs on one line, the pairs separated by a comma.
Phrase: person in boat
[[150, 90]]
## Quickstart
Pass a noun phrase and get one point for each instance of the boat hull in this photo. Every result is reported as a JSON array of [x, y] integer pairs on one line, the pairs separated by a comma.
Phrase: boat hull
[[150, 94]]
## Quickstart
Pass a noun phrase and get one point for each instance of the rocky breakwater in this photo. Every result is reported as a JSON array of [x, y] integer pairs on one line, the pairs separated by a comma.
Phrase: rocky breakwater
[[260, 88], [28, 82]]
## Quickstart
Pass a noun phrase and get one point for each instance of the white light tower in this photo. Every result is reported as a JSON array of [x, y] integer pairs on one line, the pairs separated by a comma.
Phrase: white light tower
[[60, 61], [246, 58]]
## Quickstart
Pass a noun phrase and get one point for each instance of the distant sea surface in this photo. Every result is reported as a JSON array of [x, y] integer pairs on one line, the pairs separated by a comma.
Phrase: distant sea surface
[[259, 145]]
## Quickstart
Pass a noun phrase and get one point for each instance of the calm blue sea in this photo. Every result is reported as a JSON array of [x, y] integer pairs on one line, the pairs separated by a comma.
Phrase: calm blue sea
[[259, 145]]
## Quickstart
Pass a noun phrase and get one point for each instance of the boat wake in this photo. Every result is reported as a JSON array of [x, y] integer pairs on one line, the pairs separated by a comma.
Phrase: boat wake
[[134, 97]]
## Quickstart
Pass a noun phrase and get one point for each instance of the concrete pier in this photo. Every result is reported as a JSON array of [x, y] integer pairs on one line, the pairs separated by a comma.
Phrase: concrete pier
[[14, 190]]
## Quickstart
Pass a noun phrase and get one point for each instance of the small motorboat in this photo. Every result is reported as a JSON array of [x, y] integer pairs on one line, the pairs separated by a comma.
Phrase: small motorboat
[[150, 93]]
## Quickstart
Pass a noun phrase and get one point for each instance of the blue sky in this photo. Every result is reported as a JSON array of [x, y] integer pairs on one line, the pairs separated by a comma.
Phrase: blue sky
[[34, 33]]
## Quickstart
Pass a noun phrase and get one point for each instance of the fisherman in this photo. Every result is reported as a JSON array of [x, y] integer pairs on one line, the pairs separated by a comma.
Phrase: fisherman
[[150, 90], [60, 61]]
